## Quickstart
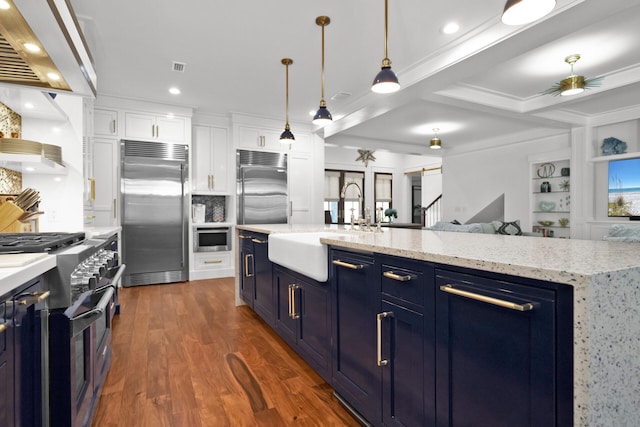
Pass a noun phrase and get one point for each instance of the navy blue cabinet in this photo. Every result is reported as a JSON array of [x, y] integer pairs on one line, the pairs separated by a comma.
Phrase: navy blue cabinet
[[406, 336], [20, 355], [256, 284], [356, 377], [303, 317], [6, 365], [503, 352]]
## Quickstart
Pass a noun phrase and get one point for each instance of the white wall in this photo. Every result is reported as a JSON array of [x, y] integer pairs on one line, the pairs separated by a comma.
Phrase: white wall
[[60, 195], [386, 162], [474, 179]]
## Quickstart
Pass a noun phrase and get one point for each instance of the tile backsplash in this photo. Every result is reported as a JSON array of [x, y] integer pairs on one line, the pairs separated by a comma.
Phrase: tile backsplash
[[215, 210]]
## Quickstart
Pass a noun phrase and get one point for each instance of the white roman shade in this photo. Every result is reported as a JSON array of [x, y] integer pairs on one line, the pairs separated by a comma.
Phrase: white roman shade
[[331, 185], [383, 187]]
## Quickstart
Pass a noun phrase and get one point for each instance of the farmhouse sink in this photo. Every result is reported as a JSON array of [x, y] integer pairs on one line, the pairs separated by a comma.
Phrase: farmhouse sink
[[302, 253]]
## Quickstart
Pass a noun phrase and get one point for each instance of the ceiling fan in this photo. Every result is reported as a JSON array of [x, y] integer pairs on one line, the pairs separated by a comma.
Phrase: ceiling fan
[[573, 84]]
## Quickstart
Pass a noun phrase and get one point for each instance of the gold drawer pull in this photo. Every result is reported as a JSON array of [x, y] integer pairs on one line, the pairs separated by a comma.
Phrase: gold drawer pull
[[33, 298], [259, 241], [347, 265], [398, 277], [214, 261], [501, 303], [3, 327]]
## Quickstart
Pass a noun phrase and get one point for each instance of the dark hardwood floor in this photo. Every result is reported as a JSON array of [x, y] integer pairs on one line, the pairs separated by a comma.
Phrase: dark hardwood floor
[[185, 356]]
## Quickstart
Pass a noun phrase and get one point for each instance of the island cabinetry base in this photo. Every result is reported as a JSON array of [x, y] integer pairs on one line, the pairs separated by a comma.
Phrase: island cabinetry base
[[500, 353], [303, 317], [256, 282]]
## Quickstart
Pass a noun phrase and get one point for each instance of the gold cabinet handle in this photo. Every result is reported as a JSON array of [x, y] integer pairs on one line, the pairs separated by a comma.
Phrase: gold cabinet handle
[[243, 236], [113, 126], [292, 301], [213, 261], [259, 241], [398, 277], [93, 188], [33, 298], [495, 301], [347, 265], [115, 214], [289, 289], [246, 265], [379, 318], [3, 327]]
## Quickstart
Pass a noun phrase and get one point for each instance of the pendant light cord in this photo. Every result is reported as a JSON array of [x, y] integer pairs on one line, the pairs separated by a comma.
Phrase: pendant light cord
[[287, 97], [322, 94], [386, 29]]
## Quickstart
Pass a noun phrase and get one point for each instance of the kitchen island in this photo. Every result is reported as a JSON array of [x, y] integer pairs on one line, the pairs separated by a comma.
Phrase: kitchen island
[[604, 276]]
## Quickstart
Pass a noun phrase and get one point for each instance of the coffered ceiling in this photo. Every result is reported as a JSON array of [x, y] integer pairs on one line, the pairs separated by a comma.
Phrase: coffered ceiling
[[479, 85]]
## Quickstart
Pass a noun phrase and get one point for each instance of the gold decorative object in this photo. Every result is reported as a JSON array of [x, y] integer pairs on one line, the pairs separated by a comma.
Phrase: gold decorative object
[[323, 116], [366, 156]]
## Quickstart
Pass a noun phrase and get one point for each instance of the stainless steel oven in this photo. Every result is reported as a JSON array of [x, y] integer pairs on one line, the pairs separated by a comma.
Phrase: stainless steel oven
[[211, 239], [84, 290]]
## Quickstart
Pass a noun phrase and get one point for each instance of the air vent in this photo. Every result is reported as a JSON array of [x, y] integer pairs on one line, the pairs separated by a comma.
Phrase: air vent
[[178, 66], [156, 150]]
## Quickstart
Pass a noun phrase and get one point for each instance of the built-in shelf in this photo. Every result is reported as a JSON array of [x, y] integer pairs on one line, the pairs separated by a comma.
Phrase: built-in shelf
[[615, 157], [31, 163]]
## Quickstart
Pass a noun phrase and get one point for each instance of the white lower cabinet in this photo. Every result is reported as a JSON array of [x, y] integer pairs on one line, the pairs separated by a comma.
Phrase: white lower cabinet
[[210, 265]]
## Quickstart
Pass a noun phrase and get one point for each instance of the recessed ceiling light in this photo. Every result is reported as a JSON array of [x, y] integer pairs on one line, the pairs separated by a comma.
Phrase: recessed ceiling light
[[53, 76], [29, 105], [451, 28], [4, 4], [29, 169], [174, 91], [31, 47]]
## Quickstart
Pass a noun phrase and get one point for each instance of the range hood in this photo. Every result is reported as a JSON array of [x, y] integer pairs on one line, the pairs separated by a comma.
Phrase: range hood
[[63, 61]]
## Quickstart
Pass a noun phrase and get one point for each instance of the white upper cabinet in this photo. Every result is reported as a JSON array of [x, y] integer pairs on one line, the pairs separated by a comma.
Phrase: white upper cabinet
[[152, 127], [105, 194], [105, 122], [257, 138], [210, 160]]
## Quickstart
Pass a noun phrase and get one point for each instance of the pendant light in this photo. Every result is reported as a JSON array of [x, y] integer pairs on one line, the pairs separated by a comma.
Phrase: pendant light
[[520, 12], [386, 80], [323, 116], [435, 143], [287, 136]]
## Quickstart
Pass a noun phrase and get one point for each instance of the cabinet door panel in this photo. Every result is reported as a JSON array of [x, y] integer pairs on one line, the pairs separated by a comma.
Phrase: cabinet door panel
[[263, 303], [105, 167], [171, 129], [202, 154], [139, 126], [496, 365], [105, 122], [247, 276], [315, 329], [285, 325], [405, 386], [356, 375]]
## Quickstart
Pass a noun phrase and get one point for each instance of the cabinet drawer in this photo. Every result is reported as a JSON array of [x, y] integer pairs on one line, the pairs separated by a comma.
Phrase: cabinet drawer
[[212, 261], [406, 284]]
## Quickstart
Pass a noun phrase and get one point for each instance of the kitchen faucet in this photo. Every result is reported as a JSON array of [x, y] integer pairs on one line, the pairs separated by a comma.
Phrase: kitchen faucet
[[344, 192]]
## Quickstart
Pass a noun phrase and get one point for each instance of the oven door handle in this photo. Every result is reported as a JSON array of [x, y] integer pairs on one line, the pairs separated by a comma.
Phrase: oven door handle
[[113, 283], [80, 322]]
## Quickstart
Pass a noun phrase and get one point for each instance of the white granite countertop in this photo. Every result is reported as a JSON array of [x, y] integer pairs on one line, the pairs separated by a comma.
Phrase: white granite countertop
[[605, 277], [98, 232], [13, 277]]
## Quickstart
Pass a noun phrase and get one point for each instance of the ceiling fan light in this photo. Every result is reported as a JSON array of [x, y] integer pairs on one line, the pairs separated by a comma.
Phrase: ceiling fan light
[[572, 85], [435, 143], [386, 81], [520, 12], [323, 116]]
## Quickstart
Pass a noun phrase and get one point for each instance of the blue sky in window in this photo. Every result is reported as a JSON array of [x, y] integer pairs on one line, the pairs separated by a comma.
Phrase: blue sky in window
[[627, 171]]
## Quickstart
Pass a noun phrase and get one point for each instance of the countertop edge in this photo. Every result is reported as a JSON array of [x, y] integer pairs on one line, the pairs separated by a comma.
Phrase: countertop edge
[[13, 277]]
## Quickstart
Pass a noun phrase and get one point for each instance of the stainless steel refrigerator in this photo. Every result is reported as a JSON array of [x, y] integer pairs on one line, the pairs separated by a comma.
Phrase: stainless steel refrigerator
[[154, 210], [261, 187]]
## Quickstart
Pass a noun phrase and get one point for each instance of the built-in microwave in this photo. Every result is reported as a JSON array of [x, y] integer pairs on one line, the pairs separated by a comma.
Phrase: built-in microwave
[[211, 239]]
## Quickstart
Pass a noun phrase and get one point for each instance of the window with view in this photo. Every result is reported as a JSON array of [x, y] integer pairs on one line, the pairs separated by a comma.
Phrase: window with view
[[341, 207], [383, 193]]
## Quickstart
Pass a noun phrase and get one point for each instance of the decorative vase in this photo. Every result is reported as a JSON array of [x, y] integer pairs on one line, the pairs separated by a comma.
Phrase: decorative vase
[[545, 187]]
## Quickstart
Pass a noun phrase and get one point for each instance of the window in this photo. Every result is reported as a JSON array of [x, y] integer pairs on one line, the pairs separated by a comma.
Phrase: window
[[341, 208], [383, 193]]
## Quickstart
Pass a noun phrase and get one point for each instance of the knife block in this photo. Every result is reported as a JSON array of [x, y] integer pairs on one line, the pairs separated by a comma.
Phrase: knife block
[[9, 215]]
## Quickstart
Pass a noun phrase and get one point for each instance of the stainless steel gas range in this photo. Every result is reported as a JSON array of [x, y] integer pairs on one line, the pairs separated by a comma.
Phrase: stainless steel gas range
[[77, 322]]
